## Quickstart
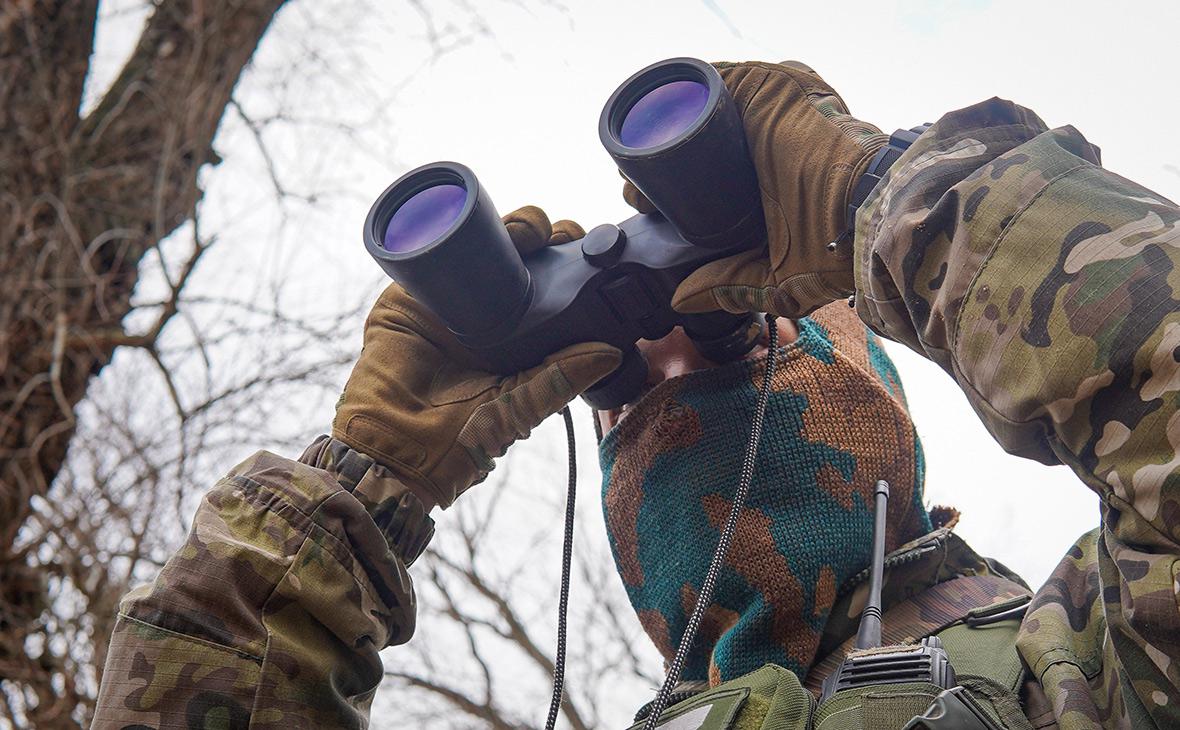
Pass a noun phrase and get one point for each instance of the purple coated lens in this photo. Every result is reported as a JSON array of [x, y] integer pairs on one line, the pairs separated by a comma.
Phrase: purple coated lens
[[663, 113], [424, 217]]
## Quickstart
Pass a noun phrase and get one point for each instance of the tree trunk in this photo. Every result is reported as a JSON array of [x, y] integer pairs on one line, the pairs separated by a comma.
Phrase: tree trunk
[[82, 199]]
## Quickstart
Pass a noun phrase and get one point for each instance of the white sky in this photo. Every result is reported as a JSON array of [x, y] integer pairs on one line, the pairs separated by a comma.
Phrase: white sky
[[519, 104]]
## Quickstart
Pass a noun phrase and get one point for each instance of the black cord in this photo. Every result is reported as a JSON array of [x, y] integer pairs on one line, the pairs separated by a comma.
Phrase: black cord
[[705, 597], [566, 558]]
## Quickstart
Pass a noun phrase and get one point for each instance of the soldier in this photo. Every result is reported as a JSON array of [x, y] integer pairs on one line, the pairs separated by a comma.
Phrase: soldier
[[1000, 249]]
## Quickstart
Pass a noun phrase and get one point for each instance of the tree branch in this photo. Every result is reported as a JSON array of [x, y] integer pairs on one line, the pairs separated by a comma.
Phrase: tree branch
[[458, 699]]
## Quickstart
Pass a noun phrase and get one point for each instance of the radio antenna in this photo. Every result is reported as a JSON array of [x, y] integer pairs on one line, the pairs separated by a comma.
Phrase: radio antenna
[[868, 664], [869, 635]]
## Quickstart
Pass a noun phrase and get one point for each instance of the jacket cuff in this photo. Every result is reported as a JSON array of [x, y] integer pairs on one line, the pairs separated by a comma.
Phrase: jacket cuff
[[398, 510]]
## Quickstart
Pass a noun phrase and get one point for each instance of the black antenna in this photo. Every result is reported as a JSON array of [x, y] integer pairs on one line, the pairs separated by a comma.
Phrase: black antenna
[[868, 664], [869, 636]]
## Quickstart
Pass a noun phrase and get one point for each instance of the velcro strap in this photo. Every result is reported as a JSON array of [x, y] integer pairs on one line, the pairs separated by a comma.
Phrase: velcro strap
[[899, 142]]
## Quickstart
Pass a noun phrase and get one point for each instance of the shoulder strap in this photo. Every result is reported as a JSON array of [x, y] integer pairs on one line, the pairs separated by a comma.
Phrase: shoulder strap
[[929, 612]]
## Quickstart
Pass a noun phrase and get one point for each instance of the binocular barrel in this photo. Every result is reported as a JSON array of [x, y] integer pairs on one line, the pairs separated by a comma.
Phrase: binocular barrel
[[675, 133], [436, 232]]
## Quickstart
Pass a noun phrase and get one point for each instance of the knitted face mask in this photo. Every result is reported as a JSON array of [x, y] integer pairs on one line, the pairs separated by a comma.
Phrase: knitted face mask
[[836, 422]]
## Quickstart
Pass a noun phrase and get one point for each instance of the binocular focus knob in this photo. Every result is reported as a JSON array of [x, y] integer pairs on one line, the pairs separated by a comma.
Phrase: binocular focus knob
[[603, 245]]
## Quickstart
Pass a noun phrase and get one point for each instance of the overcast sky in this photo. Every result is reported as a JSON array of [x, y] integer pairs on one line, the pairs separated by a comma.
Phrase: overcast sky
[[518, 100]]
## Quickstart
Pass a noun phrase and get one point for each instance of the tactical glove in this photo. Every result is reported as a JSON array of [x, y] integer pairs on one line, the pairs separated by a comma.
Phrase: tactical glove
[[416, 404], [808, 154]]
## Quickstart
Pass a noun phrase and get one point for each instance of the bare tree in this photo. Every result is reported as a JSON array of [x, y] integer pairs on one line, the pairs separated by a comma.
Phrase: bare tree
[[83, 199], [124, 496], [103, 233]]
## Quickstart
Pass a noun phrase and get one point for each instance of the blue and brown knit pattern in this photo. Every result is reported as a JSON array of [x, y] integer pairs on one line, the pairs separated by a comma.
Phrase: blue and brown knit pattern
[[836, 423]]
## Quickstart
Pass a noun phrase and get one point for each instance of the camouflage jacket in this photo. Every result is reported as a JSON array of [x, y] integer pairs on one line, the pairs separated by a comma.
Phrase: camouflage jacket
[[271, 614], [998, 248], [1047, 287]]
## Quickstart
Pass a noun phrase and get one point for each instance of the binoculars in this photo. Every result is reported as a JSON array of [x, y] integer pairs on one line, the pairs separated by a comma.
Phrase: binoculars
[[674, 131]]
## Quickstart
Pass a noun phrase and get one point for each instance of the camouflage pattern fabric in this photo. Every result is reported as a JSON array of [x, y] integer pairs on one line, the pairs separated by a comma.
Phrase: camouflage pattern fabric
[[1048, 287], [836, 422], [273, 611]]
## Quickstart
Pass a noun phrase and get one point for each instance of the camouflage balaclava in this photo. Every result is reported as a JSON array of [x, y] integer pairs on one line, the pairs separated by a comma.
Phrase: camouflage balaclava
[[836, 422]]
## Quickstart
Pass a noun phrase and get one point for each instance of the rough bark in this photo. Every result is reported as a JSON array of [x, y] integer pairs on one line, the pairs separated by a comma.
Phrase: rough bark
[[82, 200]]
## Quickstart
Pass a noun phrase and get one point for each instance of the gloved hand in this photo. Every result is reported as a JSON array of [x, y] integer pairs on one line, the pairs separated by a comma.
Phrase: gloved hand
[[808, 153], [416, 405]]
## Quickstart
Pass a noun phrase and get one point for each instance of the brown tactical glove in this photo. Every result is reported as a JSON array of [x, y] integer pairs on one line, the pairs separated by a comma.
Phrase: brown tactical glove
[[808, 153], [416, 405]]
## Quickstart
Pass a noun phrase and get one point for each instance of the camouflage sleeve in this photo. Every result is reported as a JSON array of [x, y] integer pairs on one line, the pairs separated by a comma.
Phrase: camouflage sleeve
[[1048, 287], [271, 614]]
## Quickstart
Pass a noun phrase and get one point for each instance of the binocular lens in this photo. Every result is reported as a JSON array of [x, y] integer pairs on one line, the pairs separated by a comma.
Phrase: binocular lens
[[424, 217], [663, 113], [674, 131], [436, 232]]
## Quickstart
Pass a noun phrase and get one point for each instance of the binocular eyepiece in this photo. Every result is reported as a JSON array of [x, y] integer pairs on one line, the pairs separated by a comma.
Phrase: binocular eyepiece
[[674, 131]]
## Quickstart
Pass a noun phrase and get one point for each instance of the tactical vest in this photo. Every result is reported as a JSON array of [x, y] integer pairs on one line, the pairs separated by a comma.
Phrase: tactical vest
[[981, 644]]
